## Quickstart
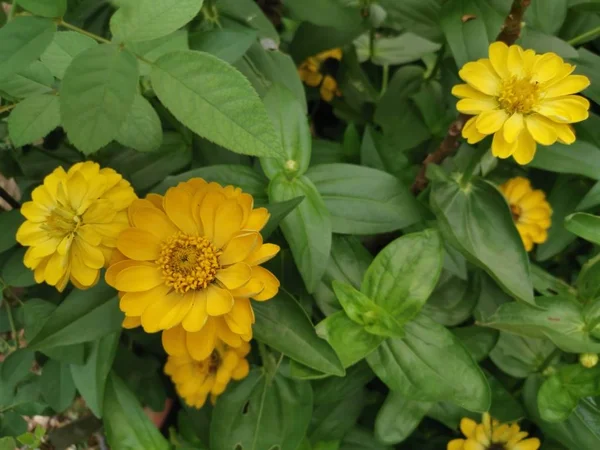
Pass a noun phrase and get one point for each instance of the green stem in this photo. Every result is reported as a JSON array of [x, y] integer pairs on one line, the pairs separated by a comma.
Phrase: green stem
[[268, 363], [549, 359], [13, 10], [6, 108], [468, 173], [12, 323], [584, 36], [386, 79], [68, 26]]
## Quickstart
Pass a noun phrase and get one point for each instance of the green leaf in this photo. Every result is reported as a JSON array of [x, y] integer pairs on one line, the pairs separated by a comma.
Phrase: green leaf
[[143, 20], [404, 48], [226, 44], [248, 13], [333, 390], [34, 118], [581, 158], [7, 443], [398, 418], [283, 316], [23, 39], [291, 125], [418, 16], [561, 320], [327, 13], [584, 225], [520, 356], [561, 392], [262, 413], [350, 340], [65, 46], [588, 280], [430, 364], [15, 367], [150, 51], [404, 274], [453, 299], [307, 228], [477, 340], [380, 204], [331, 421], [591, 199], [14, 272], [548, 285], [90, 378], [33, 80], [476, 220], [97, 94], [126, 424], [542, 43], [215, 101], [547, 17], [588, 64], [10, 221], [45, 8], [81, 317], [278, 211], [142, 129], [57, 385]]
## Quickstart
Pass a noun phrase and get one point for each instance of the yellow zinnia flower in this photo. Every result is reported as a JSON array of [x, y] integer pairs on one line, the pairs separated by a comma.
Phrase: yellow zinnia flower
[[195, 380], [521, 98], [72, 224], [190, 262], [491, 435], [530, 210], [313, 71]]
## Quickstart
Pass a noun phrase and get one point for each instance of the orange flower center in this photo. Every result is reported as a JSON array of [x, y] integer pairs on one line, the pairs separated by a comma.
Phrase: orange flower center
[[518, 95], [188, 262]]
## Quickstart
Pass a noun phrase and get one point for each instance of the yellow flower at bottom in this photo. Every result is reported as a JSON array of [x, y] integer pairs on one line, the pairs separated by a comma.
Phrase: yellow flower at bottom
[[196, 380], [530, 210], [72, 224], [315, 72], [189, 264], [522, 98], [491, 435]]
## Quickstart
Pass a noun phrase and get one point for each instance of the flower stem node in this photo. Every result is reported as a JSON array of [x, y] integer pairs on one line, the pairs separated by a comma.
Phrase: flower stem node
[[588, 360], [291, 166]]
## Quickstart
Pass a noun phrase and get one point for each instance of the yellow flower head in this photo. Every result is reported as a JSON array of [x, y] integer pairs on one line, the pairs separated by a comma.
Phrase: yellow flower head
[[195, 380], [522, 99], [313, 74], [530, 210], [190, 262], [491, 435], [72, 224]]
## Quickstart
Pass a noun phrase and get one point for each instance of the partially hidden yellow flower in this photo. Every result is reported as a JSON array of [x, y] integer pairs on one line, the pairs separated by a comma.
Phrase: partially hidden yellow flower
[[522, 98], [530, 210], [189, 263], [492, 435], [313, 71], [73, 222], [196, 380]]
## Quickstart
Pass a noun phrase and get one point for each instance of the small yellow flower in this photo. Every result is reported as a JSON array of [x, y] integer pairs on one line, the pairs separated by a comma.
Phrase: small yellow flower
[[72, 224], [195, 380], [313, 73], [491, 435], [522, 99], [530, 210], [189, 264]]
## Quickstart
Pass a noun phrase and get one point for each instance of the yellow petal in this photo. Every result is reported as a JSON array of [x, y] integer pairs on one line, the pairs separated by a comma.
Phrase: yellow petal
[[197, 315], [166, 311], [258, 219], [131, 322], [228, 221], [473, 445], [545, 68], [242, 370], [208, 210], [570, 109], [566, 134], [135, 303], [76, 188], [139, 245], [251, 289], [57, 267], [35, 212], [501, 148], [116, 267], [178, 206], [262, 254], [92, 256], [488, 122], [85, 276], [528, 444], [138, 278], [513, 127], [225, 334], [542, 130], [241, 317], [480, 77], [525, 149], [470, 132], [174, 341], [31, 233], [456, 444], [239, 247], [475, 106], [269, 280], [467, 427], [156, 200], [466, 91], [498, 58], [218, 301], [154, 221], [570, 85], [515, 189], [202, 343], [235, 276], [514, 61]]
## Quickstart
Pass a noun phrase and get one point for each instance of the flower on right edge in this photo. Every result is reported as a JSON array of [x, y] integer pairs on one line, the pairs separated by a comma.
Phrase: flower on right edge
[[530, 210], [521, 98], [492, 435]]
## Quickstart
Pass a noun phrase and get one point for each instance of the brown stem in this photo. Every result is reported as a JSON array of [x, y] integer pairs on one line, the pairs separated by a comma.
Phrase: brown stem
[[510, 32]]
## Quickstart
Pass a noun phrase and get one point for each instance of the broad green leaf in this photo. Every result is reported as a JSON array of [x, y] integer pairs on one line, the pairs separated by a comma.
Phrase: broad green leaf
[[548, 285], [34, 79], [327, 13], [418, 16], [143, 20], [398, 418], [45, 8], [291, 126], [15, 367], [81, 317], [283, 316], [588, 64], [310, 39], [307, 228], [7, 443], [404, 274], [588, 281], [69, 354], [404, 48], [547, 17], [277, 212], [215, 101], [249, 13], [520, 356], [96, 95], [226, 44], [262, 413], [591, 199], [561, 320], [90, 378], [10, 221], [333, 420], [126, 424], [477, 340], [350, 340], [361, 439], [33, 118], [57, 385], [333, 390], [584, 225], [150, 51], [453, 299], [14, 272], [23, 39], [430, 364], [244, 177], [142, 129], [476, 220], [581, 158], [65, 46], [362, 200], [542, 43]]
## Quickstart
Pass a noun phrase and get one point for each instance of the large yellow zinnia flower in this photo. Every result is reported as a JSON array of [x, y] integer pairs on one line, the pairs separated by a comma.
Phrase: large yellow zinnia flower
[[521, 98], [190, 262], [314, 72], [491, 435], [73, 222], [530, 210], [195, 380]]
